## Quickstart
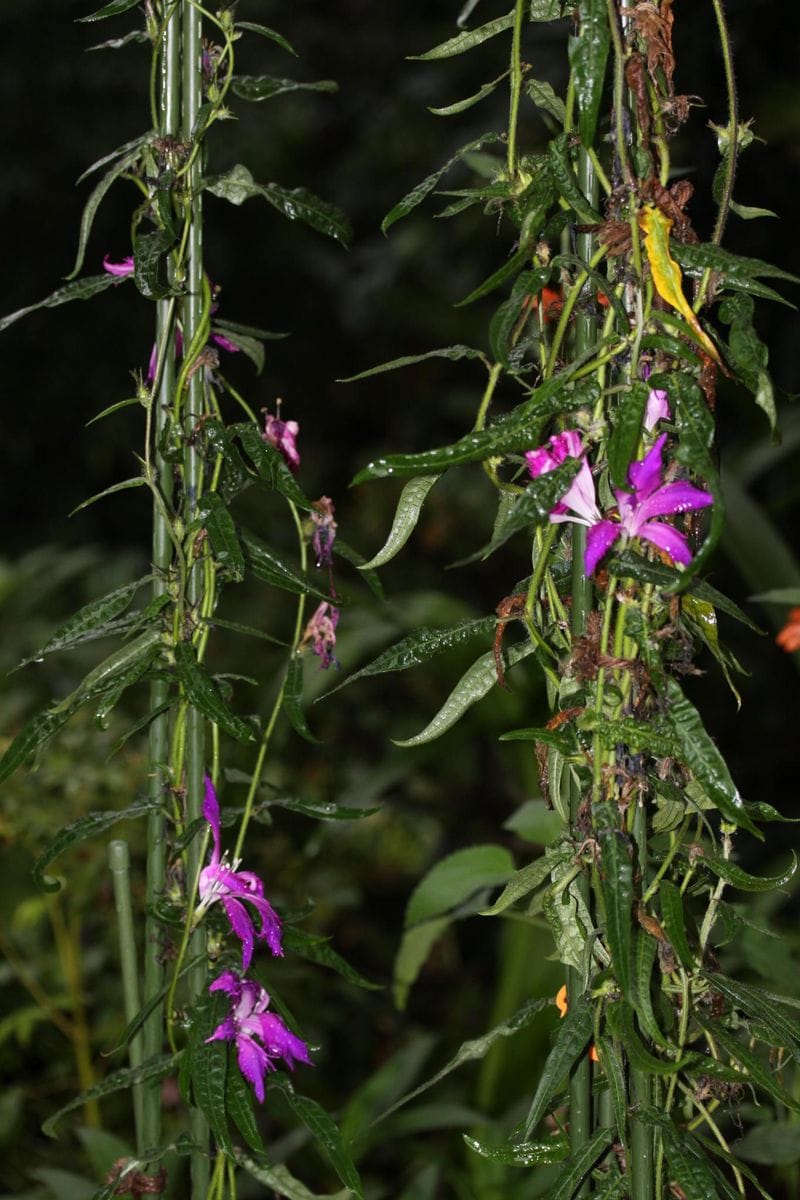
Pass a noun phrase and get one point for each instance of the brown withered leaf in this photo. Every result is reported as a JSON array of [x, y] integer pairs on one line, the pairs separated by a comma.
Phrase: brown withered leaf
[[635, 79], [653, 23]]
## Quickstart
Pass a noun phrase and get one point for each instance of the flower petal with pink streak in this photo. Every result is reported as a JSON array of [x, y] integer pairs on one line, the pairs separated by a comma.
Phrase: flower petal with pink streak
[[211, 813], [657, 408], [668, 538], [125, 267], [253, 1063], [673, 498], [224, 343], [225, 1031], [281, 1042], [226, 982], [646, 474], [599, 540], [580, 496], [242, 926]]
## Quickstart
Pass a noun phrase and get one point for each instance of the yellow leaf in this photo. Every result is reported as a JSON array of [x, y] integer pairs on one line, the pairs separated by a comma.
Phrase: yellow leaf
[[667, 274]]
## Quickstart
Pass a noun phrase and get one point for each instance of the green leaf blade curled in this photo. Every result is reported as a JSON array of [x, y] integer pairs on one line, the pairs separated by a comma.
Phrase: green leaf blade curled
[[267, 32], [417, 194], [96, 198], [567, 183], [409, 507], [280, 1179], [263, 87], [626, 433], [451, 353], [588, 56], [96, 619], [756, 1069], [225, 546], [323, 1130], [674, 920], [270, 464], [466, 40], [267, 566], [113, 9], [293, 699], [578, 1166], [521, 1154], [735, 877], [572, 1039], [532, 508], [616, 884], [452, 110], [151, 1071], [203, 694], [472, 687], [78, 289]]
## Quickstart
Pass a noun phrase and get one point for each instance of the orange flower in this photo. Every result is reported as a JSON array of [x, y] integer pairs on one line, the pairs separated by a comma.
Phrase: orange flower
[[789, 636], [551, 305], [563, 1007]]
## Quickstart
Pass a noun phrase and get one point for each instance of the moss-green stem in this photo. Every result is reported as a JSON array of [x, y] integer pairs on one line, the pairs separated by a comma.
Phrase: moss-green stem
[[119, 862], [515, 87]]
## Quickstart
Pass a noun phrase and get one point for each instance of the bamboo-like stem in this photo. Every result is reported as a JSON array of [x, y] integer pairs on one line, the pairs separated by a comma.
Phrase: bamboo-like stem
[[153, 1028], [192, 483], [119, 861], [515, 87]]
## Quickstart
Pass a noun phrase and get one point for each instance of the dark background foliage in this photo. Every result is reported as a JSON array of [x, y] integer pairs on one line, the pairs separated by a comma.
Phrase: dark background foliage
[[362, 149]]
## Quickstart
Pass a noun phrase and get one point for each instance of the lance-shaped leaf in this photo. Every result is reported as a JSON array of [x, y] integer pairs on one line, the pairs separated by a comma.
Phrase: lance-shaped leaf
[[420, 646], [472, 687], [323, 1130], [525, 881], [95, 620], [675, 922], [644, 957], [626, 433], [203, 694], [748, 353], [79, 289], [572, 1038], [614, 1070], [687, 1168], [543, 96], [238, 185], [620, 1020], [743, 880], [454, 884], [293, 699], [264, 87], [281, 1181], [756, 1069], [566, 181], [506, 324], [150, 1071], [218, 524], [578, 1166], [112, 9], [588, 55], [467, 39], [699, 256], [409, 506], [521, 1154], [628, 563], [761, 1006], [90, 825], [704, 759], [452, 110], [124, 163], [531, 508], [451, 353], [269, 568], [239, 1107], [135, 482], [616, 883], [317, 949], [423, 189], [205, 1068], [509, 268]]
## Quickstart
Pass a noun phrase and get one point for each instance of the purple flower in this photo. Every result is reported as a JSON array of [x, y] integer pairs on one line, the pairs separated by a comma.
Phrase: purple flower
[[650, 498], [126, 267], [657, 408], [282, 435], [230, 886], [324, 533], [224, 343], [563, 446], [320, 633], [260, 1036]]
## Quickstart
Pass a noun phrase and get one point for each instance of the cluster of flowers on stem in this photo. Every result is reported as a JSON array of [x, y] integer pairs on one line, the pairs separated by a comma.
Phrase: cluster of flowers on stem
[[639, 509], [260, 1036]]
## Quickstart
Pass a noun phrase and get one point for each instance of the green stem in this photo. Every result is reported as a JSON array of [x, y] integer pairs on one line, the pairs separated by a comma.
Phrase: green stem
[[119, 862], [515, 87], [158, 735], [194, 320], [733, 123]]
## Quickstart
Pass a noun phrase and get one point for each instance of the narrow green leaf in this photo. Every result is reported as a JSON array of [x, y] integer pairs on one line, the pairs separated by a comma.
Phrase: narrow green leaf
[[522, 883], [323, 1130], [521, 1154], [760, 1005], [113, 9], [565, 179], [532, 508], [322, 810], [616, 883], [270, 464], [293, 699], [137, 481], [588, 55], [208, 1069], [117, 665], [466, 40], [96, 619], [626, 433], [451, 353], [149, 1072], [420, 646], [698, 256], [675, 922], [543, 96], [628, 563], [283, 1183], [135, 35], [510, 267], [771, 1144], [546, 10], [688, 1170], [712, 1147], [704, 759], [89, 826], [266, 32], [221, 531], [405, 520], [269, 568], [579, 1165], [644, 957], [742, 880], [96, 198], [318, 950], [204, 695], [423, 189], [249, 346], [238, 185], [757, 1071], [264, 87], [620, 1020], [79, 289], [133, 1026], [572, 1038], [150, 251], [549, 737], [112, 408], [238, 1106], [236, 329], [451, 110], [472, 687], [612, 1064]]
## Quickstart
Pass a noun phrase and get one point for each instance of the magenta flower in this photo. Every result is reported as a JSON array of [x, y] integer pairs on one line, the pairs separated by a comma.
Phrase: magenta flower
[[260, 1036], [283, 436], [125, 267], [650, 498], [232, 887], [324, 534], [657, 408], [563, 446], [320, 633]]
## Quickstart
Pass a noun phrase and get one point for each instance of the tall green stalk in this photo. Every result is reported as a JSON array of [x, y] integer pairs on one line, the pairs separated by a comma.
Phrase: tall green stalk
[[119, 862], [193, 316], [153, 1029]]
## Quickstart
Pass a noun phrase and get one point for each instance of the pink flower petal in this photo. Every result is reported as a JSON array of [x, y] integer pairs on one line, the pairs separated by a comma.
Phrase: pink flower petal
[[668, 538], [242, 926], [211, 814], [599, 539], [646, 474], [657, 408], [124, 267], [678, 497], [580, 496], [253, 1063]]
